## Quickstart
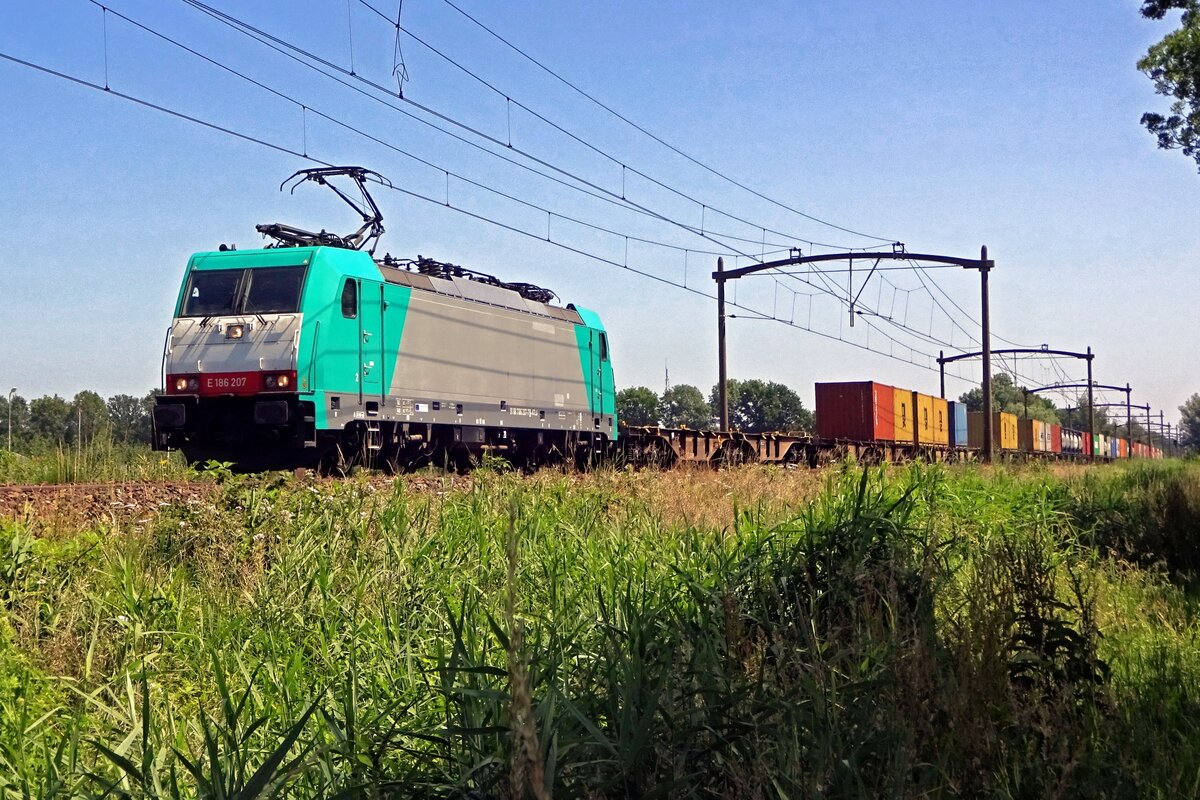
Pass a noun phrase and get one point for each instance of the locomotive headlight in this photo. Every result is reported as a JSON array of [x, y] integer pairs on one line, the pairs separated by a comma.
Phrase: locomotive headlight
[[181, 384], [193, 384], [282, 381], [235, 331]]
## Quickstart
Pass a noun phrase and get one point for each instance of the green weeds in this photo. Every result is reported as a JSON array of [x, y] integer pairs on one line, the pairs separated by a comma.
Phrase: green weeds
[[909, 632]]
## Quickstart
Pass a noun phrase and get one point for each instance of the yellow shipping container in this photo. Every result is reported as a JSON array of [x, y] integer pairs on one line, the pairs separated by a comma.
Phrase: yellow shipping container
[[941, 421], [903, 406], [923, 404], [1004, 430], [1008, 431]]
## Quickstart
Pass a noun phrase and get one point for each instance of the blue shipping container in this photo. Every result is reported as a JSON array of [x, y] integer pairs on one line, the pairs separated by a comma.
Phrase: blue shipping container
[[958, 424]]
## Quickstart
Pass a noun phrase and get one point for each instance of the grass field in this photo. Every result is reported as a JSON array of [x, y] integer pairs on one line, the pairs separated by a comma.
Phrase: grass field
[[904, 632]]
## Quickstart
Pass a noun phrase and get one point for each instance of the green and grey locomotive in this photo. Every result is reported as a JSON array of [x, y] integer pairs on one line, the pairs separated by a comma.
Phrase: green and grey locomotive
[[313, 352]]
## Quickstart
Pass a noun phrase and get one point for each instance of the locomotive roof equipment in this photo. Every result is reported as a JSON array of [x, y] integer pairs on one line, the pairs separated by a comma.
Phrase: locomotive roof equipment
[[372, 227]]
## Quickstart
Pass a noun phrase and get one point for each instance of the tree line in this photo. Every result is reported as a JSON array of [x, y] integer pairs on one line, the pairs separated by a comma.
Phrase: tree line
[[755, 406], [50, 421]]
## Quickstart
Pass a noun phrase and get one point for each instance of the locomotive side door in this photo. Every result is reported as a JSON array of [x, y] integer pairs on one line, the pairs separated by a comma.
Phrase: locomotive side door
[[598, 345], [370, 339]]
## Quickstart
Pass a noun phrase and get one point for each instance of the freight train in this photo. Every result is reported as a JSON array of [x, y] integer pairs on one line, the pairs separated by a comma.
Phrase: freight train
[[872, 422], [312, 353]]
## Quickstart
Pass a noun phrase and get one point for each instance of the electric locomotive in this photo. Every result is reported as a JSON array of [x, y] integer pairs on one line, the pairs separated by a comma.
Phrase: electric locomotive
[[311, 352]]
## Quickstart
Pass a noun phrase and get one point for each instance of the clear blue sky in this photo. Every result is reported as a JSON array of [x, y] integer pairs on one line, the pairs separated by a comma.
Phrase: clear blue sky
[[945, 125]]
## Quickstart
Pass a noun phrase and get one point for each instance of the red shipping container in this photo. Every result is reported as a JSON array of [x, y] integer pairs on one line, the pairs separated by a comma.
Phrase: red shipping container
[[1056, 438], [858, 410], [1123, 448], [1087, 443]]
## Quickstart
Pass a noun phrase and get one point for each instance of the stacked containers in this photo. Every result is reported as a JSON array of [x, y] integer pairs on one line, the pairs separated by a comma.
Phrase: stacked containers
[[957, 414], [941, 421], [859, 410], [902, 412]]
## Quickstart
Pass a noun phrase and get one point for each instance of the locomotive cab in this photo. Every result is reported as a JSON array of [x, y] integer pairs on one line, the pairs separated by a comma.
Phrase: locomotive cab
[[231, 363]]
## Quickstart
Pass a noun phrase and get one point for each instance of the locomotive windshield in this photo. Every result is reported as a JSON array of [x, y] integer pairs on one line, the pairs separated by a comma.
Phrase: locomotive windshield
[[225, 292], [273, 291]]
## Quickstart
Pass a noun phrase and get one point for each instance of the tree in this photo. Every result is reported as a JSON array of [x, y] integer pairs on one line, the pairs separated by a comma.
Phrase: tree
[[684, 406], [89, 417], [637, 405], [48, 419], [1173, 64], [20, 421], [130, 417], [760, 406], [1189, 423], [1008, 396]]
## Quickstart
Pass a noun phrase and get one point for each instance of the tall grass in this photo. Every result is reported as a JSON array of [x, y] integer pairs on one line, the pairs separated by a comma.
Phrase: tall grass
[[904, 632], [100, 460]]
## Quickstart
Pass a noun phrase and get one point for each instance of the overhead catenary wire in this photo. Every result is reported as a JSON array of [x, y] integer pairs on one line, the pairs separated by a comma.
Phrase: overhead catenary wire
[[448, 173], [641, 129], [924, 362], [264, 37], [308, 108], [715, 236], [602, 152], [712, 236]]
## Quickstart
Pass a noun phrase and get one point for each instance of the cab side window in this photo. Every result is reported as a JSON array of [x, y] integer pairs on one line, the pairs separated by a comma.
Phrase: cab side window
[[350, 299], [603, 347]]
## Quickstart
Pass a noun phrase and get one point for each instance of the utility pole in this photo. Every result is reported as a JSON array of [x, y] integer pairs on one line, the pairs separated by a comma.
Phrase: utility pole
[[11, 392], [722, 378], [1091, 408], [1129, 417], [985, 319], [942, 369]]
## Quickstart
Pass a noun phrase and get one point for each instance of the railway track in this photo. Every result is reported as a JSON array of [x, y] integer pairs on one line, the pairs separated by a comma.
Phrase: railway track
[[65, 504]]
